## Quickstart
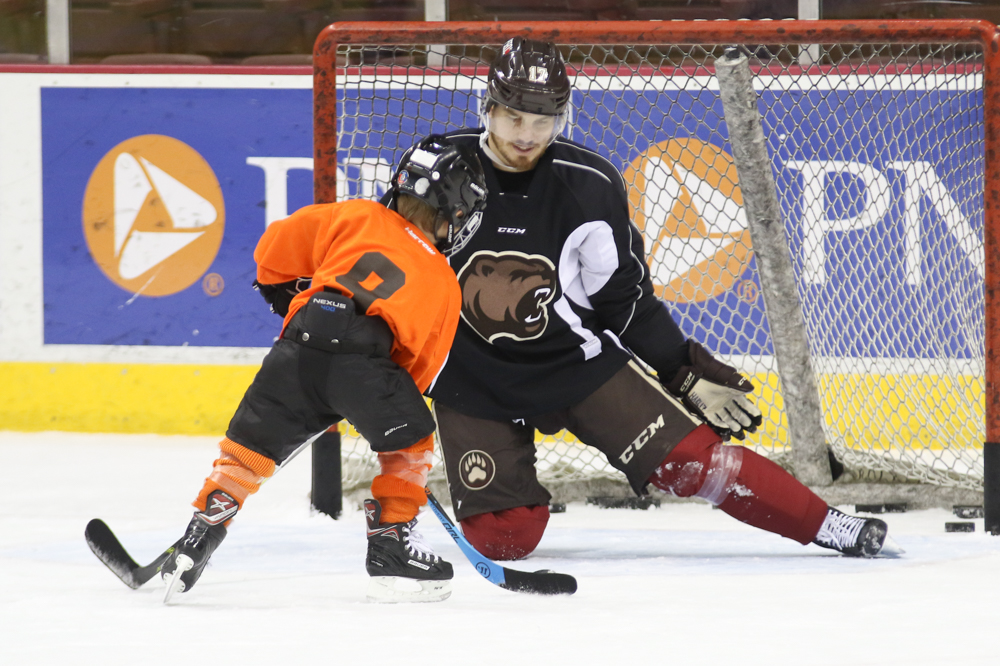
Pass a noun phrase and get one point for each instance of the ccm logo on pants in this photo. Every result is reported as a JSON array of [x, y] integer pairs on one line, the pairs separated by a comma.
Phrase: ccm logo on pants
[[641, 440]]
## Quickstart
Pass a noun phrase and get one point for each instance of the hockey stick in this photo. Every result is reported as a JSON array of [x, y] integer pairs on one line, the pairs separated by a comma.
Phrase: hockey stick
[[105, 545], [108, 548], [536, 582]]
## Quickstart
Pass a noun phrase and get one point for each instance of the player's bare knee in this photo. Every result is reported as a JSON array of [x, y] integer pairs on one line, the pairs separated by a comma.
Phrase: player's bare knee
[[509, 534]]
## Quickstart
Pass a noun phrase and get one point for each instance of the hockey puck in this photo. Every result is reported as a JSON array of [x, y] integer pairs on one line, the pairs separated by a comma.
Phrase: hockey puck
[[557, 507], [966, 511], [960, 527], [888, 507], [624, 502]]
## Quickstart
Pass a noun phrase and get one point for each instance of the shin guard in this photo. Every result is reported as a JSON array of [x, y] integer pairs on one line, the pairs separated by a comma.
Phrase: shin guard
[[399, 489], [743, 484], [236, 474], [768, 497]]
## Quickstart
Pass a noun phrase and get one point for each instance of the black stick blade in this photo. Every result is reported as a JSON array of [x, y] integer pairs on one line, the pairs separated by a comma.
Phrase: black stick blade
[[109, 550], [105, 545], [538, 582]]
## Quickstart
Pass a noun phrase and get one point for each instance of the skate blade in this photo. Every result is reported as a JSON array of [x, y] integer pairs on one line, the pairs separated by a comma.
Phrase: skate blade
[[890, 549], [396, 589], [173, 580]]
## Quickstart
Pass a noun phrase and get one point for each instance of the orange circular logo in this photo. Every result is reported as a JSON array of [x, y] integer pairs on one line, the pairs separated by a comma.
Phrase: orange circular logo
[[213, 284], [153, 215], [747, 291], [686, 200]]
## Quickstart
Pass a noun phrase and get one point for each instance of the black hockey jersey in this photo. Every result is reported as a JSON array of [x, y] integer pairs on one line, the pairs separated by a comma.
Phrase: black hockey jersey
[[555, 291]]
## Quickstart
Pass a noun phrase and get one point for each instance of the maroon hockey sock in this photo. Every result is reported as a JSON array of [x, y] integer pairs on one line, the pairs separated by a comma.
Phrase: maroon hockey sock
[[509, 534], [745, 485], [768, 497]]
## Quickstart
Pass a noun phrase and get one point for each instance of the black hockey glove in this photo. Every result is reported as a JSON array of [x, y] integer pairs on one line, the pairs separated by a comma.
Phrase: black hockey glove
[[716, 392], [279, 296]]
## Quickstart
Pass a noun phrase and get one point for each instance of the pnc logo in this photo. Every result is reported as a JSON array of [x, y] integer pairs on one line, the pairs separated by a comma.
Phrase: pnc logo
[[686, 200], [153, 215]]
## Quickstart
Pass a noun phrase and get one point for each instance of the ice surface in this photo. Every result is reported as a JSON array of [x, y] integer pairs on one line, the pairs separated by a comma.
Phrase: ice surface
[[683, 584]]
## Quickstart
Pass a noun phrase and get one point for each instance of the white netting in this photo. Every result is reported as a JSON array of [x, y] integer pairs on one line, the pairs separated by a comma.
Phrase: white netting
[[878, 157]]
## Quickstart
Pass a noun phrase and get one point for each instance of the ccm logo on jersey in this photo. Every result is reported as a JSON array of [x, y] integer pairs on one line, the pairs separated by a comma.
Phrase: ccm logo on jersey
[[641, 440], [510, 230]]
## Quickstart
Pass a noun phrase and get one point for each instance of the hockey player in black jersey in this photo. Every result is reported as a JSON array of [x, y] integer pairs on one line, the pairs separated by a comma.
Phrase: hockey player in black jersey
[[556, 301]]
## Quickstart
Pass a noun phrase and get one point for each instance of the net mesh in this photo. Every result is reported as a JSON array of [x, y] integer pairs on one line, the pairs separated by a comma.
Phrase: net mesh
[[877, 152]]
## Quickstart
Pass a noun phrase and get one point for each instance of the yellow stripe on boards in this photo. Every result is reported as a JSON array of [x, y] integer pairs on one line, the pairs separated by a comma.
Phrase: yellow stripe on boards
[[876, 413], [885, 412], [868, 412], [130, 398]]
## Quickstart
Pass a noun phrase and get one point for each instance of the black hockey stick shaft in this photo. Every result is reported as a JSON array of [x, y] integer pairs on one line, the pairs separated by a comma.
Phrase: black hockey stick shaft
[[108, 549], [534, 582]]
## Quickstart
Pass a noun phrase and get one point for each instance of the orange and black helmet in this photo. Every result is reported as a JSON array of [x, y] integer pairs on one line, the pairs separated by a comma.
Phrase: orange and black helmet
[[448, 177]]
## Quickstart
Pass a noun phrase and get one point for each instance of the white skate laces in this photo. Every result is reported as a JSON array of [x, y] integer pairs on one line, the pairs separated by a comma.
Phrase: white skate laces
[[857, 537], [839, 530], [415, 544], [405, 568]]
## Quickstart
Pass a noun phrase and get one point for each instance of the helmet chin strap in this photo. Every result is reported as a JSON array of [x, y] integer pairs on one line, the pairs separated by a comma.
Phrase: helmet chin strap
[[496, 159]]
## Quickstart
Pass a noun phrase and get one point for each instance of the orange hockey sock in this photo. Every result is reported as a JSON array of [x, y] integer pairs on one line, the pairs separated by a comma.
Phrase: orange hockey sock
[[238, 472], [400, 486]]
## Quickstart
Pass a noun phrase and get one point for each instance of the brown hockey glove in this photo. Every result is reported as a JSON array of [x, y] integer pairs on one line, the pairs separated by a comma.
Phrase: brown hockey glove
[[279, 296], [717, 393]]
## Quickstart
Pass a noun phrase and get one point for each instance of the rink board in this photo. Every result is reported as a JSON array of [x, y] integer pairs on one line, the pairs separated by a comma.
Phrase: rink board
[[200, 400]]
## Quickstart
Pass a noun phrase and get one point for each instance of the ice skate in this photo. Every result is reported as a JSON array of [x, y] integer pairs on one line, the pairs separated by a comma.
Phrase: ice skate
[[204, 533], [401, 564], [853, 536]]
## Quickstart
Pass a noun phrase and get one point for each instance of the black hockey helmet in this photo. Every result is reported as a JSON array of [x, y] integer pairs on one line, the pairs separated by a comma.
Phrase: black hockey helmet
[[529, 76], [448, 177]]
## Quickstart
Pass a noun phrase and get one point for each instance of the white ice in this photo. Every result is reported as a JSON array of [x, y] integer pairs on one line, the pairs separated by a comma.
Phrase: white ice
[[683, 584]]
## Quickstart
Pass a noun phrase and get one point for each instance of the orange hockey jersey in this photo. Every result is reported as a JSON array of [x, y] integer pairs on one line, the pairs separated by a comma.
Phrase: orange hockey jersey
[[382, 261]]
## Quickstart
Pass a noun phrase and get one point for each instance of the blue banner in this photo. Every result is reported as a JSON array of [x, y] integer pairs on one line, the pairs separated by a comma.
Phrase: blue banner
[[154, 200], [152, 211]]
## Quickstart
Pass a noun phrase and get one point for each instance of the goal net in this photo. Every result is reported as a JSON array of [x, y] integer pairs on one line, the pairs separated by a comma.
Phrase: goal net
[[876, 138]]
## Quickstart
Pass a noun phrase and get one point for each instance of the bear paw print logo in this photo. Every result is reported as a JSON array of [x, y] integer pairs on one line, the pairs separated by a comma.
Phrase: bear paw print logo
[[476, 469]]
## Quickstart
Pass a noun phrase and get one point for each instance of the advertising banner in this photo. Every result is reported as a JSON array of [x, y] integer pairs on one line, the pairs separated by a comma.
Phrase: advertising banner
[[154, 200]]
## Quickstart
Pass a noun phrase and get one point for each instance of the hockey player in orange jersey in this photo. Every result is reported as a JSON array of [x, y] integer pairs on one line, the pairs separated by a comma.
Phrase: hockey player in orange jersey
[[362, 341]]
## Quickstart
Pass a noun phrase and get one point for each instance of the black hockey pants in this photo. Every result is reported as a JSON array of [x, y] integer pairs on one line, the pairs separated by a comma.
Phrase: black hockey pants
[[331, 363]]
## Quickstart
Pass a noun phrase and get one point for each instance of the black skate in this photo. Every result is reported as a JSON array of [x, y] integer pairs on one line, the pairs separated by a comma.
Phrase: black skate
[[853, 536], [203, 535], [401, 565]]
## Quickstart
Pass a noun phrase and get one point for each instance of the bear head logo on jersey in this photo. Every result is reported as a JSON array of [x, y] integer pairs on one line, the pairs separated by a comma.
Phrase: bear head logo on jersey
[[506, 294]]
